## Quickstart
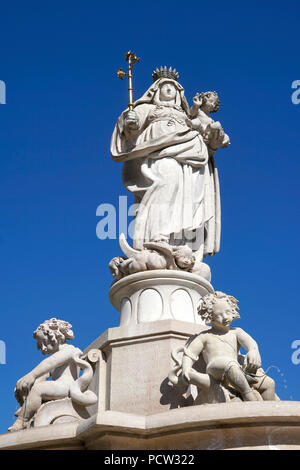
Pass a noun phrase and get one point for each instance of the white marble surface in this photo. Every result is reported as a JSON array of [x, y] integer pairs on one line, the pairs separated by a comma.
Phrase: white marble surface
[[159, 295]]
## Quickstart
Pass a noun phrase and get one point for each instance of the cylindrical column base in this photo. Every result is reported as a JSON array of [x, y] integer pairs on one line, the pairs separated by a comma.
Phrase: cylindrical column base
[[159, 295]]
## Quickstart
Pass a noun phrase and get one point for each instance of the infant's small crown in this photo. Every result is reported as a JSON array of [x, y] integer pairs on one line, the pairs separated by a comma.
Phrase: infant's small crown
[[164, 72]]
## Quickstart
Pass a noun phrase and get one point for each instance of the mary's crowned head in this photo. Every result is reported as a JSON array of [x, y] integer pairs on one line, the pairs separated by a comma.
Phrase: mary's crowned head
[[165, 91]]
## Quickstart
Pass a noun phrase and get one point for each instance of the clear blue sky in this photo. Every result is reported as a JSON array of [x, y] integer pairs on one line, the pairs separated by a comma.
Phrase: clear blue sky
[[59, 62]]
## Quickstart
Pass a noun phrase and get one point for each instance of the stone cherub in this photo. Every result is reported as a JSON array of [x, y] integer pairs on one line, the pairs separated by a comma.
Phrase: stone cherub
[[62, 365], [157, 254], [236, 376], [212, 131]]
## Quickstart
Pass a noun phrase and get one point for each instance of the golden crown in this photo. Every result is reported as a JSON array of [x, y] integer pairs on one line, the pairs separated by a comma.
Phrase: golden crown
[[163, 72]]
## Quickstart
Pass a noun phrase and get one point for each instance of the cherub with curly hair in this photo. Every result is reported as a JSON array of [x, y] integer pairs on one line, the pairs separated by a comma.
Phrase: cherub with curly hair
[[212, 131], [220, 346], [62, 366]]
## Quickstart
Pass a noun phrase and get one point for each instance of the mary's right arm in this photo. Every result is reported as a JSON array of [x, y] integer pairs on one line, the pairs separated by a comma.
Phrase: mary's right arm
[[127, 129]]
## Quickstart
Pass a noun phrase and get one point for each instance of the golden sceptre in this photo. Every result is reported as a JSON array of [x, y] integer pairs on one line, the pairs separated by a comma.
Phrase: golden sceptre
[[131, 58]]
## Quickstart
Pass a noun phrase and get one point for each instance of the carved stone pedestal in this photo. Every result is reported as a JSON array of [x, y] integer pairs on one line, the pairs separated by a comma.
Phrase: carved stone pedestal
[[139, 409], [132, 374], [159, 295], [59, 411]]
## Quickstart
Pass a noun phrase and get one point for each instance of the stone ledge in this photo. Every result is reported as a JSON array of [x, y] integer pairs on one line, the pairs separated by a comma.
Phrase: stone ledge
[[264, 425], [144, 330], [44, 437], [201, 416], [157, 276], [248, 425]]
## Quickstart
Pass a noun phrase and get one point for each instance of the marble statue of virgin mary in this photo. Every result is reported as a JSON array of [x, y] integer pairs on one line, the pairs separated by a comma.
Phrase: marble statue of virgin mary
[[168, 169]]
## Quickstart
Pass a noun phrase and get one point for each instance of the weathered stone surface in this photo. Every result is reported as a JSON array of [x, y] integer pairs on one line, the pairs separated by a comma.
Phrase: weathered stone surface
[[168, 165], [223, 374], [231, 426], [34, 390], [159, 295]]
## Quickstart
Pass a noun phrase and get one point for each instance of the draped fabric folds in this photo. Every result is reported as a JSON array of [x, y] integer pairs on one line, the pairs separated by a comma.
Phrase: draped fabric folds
[[167, 168]]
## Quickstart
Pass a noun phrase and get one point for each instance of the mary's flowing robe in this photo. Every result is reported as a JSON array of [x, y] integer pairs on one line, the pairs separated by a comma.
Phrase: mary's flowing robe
[[167, 167]]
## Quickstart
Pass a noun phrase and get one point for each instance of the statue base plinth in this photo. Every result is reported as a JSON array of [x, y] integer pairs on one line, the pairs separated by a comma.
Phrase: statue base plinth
[[59, 411], [224, 426], [138, 408], [159, 295]]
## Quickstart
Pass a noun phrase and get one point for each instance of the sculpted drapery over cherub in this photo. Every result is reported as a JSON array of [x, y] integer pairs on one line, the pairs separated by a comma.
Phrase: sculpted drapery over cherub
[[168, 166]]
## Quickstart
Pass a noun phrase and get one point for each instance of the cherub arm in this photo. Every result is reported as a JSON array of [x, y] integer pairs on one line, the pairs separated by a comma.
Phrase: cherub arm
[[191, 355], [253, 360], [197, 101], [44, 368]]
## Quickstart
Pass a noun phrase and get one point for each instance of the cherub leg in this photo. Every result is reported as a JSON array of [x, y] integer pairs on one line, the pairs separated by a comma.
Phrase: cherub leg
[[266, 387], [200, 380], [237, 378], [43, 391]]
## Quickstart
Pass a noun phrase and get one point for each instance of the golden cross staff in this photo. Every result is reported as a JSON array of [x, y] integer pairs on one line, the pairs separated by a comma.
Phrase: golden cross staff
[[131, 58]]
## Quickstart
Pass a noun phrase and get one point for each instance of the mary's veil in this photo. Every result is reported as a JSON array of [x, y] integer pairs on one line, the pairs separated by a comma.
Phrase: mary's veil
[[152, 95]]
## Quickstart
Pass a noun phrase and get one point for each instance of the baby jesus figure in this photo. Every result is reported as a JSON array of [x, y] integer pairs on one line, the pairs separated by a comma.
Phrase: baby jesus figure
[[63, 365], [212, 131], [219, 346]]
